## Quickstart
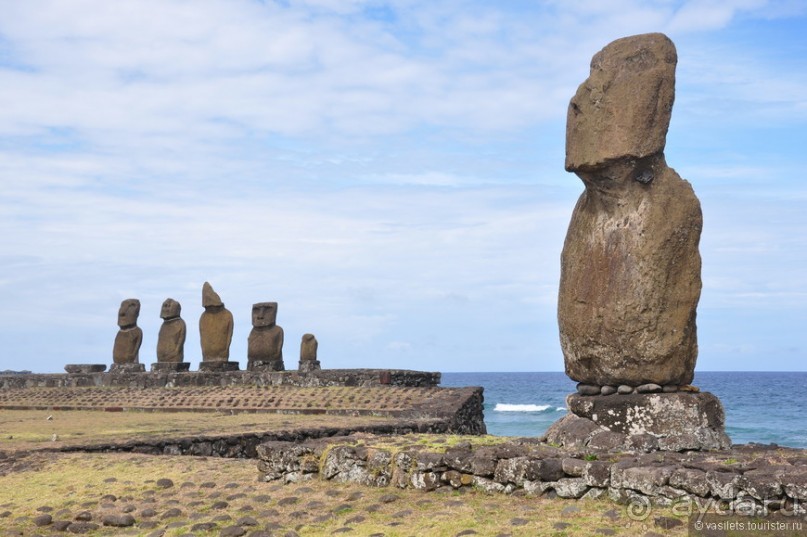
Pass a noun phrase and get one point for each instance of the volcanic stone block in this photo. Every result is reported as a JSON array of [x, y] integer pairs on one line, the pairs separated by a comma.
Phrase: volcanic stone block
[[171, 366], [217, 366], [76, 369], [127, 368], [630, 267], [681, 421]]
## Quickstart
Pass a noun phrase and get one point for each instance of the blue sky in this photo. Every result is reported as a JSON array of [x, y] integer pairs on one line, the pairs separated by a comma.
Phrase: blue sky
[[390, 172]]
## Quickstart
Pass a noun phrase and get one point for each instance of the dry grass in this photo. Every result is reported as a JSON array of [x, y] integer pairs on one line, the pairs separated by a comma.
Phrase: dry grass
[[67, 484], [31, 429], [63, 485]]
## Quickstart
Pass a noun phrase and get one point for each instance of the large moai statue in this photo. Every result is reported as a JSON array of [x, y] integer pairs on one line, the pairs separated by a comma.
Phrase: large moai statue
[[215, 332], [265, 343], [126, 350], [308, 354], [630, 267], [171, 339]]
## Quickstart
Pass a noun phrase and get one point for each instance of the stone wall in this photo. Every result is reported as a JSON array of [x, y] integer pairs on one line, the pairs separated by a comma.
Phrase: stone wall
[[750, 477], [244, 446], [160, 379]]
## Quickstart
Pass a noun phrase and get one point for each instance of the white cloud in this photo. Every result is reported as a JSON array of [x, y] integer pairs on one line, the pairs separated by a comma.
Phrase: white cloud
[[389, 172]]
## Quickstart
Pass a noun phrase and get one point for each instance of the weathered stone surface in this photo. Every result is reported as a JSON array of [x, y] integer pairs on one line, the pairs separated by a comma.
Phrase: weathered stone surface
[[122, 369], [80, 369], [723, 485], [573, 467], [606, 440], [215, 327], [680, 421], [570, 487], [646, 479], [588, 389], [218, 366], [597, 474], [608, 390], [171, 339], [630, 268], [265, 343], [571, 430], [308, 354], [648, 388], [624, 107], [691, 480], [126, 349], [171, 366]]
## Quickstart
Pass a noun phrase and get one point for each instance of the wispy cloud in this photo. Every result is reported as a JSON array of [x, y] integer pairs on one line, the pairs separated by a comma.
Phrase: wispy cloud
[[390, 172]]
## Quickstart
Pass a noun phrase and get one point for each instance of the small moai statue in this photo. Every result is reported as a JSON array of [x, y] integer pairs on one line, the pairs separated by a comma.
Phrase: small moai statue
[[171, 340], [126, 351], [265, 343], [308, 354], [215, 332]]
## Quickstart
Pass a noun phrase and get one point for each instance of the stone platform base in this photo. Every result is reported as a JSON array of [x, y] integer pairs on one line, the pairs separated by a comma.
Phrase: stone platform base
[[276, 365], [171, 366], [127, 368], [306, 366], [78, 369], [218, 366], [742, 481], [645, 422]]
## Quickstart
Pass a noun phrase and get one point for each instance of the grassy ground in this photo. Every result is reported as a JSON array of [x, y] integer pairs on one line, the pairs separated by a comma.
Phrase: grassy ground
[[206, 496], [31, 429], [225, 493]]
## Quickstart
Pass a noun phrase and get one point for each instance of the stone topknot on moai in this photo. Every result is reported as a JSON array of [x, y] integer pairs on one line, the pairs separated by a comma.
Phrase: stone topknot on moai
[[215, 333], [265, 343], [308, 354], [630, 267], [126, 350], [171, 339]]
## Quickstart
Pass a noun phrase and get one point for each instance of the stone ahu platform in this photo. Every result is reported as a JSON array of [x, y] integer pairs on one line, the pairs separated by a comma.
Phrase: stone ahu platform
[[747, 479], [166, 378], [409, 399], [679, 421]]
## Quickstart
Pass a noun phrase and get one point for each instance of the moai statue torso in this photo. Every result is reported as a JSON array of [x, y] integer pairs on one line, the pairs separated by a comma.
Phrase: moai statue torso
[[215, 327], [630, 269], [127, 342], [171, 340], [265, 343]]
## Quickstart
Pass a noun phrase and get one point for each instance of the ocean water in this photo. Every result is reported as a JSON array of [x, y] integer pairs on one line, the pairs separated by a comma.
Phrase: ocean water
[[763, 407]]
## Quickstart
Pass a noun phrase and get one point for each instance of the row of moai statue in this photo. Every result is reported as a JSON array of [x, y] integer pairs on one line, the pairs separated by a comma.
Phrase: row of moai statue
[[264, 346]]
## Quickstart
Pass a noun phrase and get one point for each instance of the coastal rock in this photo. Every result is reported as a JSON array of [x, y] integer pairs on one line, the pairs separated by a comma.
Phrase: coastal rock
[[215, 327], [630, 267]]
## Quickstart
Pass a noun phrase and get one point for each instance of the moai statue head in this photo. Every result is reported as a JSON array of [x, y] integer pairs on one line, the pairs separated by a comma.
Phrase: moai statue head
[[264, 314], [210, 298], [622, 110], [170, 309], [128, 313]]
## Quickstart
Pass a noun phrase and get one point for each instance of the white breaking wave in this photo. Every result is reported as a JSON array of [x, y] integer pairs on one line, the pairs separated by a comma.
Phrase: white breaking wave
[[560, 409], [502, 407]]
